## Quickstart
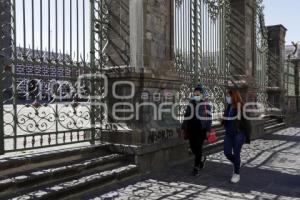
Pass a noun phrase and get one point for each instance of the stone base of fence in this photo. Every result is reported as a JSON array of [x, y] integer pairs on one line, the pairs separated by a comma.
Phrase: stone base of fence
[[292, 118]]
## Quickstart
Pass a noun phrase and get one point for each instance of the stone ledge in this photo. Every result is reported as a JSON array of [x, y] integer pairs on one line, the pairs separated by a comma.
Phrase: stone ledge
[[7, 163], [58, 171], [69, 187]]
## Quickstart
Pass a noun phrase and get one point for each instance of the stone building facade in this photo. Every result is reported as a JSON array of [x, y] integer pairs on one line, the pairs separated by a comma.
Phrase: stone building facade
[[141, 38]]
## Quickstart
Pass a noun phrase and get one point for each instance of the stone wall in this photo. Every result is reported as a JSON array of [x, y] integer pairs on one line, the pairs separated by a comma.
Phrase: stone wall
[[276, 43], [157, 34], [243, 46], [118, 48]]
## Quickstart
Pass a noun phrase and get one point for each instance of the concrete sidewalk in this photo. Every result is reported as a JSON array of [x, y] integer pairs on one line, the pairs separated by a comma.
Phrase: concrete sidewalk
[[271, 170]]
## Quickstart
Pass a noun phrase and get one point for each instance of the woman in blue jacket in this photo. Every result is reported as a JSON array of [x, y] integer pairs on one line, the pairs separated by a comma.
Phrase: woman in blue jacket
[[236, 132]]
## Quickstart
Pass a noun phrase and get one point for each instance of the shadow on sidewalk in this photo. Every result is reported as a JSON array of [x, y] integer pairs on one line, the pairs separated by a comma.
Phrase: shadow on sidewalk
[[271, 170]]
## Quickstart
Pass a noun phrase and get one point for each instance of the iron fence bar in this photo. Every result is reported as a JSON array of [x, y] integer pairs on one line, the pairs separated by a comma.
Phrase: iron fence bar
[[101, 34], [71, 45], [181, 37], [77, 32], [190, 49], [33, 30], [49, 33], [196, 43], [56, 60], [3, 59], [92, 66], [41, 28], [203, 39], [83, 31], [64, 32], [2, 68], [14, 86], [184, 32], [56, 30]]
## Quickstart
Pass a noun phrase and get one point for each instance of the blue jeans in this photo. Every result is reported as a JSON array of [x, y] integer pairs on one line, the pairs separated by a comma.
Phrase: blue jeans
[[233, 144]]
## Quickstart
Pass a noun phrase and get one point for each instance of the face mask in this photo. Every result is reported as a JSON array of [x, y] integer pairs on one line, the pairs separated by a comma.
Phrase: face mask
[[229, 100], [198, 98]]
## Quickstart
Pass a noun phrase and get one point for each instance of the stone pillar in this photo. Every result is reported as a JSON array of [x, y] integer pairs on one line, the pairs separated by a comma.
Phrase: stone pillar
[[136, 18], [243, 45], [243, 48], [150, 85], [151, 73], [157, 33], [118, 47], [151, 34], [276, 44], [297, 82]]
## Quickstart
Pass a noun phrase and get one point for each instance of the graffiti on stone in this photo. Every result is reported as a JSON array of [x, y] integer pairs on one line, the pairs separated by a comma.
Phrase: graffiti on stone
[[158, 136]]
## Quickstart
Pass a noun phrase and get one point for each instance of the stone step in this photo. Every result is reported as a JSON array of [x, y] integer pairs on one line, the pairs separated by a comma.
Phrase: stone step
[[271, 122], [71, 189], [42, 176], [25, 162], [276, 127]]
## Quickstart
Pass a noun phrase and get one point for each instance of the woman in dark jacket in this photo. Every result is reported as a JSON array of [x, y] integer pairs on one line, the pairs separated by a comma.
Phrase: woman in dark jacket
[[236, 132], [196, 125]]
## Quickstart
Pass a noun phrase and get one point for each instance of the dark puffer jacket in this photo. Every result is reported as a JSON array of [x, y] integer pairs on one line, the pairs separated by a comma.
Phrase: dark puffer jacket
[[197, 125]]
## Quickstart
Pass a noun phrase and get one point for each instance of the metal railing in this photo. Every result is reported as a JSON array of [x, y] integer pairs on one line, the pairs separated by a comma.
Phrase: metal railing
[[45, 46], [201, 47], [262, 53]]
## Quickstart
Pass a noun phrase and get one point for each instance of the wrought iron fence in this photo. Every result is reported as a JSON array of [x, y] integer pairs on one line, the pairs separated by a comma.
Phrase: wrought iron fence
[[291, 81], [47, 49], [201, 29], [262, 53]]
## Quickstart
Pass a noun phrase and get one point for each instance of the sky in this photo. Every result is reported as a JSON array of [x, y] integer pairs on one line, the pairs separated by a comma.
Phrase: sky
[[285, 12], [30, 9]]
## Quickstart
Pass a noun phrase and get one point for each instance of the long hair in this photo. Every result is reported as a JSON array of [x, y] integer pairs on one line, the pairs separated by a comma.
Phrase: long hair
[[237, 99]]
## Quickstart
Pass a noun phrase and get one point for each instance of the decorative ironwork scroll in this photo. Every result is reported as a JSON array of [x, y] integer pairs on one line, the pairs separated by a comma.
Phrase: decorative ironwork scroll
[[201, 48], [51, 64], [262, 56]]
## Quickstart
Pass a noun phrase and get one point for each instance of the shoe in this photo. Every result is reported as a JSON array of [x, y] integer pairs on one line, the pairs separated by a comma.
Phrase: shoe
[[196, 171], [235, 178], [202, 163]]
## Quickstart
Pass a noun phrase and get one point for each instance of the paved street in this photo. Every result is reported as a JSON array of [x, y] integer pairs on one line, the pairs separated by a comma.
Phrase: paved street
[[271, 170]]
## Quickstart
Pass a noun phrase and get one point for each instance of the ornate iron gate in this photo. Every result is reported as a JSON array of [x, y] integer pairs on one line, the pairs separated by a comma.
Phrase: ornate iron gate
[[262, 53], [53, 53], [201, 47], [291, 81]]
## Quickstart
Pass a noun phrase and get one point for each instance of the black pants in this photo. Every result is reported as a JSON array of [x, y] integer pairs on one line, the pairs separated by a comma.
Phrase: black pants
[[196, 145]]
